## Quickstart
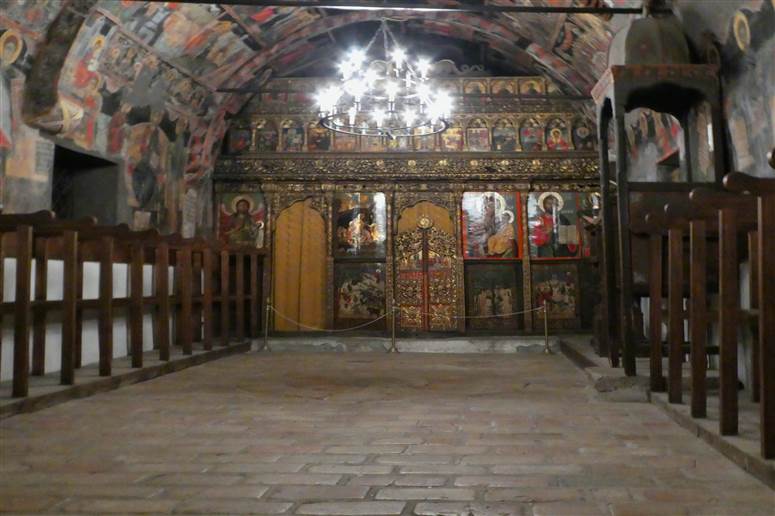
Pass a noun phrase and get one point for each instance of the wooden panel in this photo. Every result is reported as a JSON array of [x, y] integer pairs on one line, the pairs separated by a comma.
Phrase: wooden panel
[[300, 268], [439, 215]]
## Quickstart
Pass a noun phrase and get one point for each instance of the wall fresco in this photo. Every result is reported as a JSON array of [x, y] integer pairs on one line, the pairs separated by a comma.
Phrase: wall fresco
[[242, 219]]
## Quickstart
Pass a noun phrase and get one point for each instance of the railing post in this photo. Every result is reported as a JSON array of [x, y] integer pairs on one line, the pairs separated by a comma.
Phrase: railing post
[[70, 300], [106, 307], [22, 306], [266, 325], [162, 296]]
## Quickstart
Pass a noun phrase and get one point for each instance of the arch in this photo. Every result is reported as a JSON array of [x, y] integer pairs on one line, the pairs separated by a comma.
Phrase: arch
[[299, 270]]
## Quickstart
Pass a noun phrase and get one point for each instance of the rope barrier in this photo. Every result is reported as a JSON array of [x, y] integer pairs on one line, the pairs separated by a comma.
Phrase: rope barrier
[[312, 328], [496, 316]]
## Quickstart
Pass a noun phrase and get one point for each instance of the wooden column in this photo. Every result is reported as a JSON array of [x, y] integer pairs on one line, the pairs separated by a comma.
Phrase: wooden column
[[185, 293], [657, 380], [675, 316], [69, 305], [729, 300], [753, 302], [625, 248], [766, 259], [39, 312], [22, 305], [196, 310], [162, 294], [239, 287], [698, 315], [136, 303], [207, 298], [225, 318], [106, 307], [607, 261], [255, 301]]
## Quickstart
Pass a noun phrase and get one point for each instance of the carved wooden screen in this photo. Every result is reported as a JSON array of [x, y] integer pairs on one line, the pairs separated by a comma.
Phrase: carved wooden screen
[[300, 269], [426, 289]]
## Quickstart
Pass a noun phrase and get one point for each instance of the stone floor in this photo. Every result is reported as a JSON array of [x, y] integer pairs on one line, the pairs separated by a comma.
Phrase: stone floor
[[335, 433]]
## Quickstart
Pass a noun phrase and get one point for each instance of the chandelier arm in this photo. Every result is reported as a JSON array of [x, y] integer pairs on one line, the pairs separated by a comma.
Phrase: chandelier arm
[[373, 39]]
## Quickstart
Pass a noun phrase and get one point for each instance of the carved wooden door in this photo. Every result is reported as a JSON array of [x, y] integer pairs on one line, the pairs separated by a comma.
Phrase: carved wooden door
[[426, 285]]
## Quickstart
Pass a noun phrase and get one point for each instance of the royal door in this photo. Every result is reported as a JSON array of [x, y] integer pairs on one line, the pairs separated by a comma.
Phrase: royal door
[[426, 280]]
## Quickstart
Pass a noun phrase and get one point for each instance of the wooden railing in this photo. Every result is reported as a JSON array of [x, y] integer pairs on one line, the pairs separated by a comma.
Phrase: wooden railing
[[210, 282], [716, 222]]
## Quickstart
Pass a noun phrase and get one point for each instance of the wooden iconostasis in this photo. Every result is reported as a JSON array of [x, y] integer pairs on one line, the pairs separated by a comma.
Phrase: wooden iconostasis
[[454, 262]]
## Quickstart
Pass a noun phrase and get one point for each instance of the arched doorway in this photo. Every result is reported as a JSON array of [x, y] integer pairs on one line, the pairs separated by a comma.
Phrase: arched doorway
[[426, 280], [299, 283]]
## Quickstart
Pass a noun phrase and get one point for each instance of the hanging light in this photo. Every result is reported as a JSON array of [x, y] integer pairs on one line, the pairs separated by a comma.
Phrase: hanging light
[[390, 98]]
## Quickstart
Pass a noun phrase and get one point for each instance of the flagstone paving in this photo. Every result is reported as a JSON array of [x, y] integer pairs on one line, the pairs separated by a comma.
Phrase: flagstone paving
[[368, 434]]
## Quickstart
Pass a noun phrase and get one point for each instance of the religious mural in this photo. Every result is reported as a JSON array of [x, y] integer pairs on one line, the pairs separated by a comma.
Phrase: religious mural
[[583, 136], [491, 225], [266, 136], [361, 227], [359, 294], [556, 287], [238, 140], [452, 138], [493, 295], [318, 138], [242, 219], [531, 136], [292, 136], [478, 135], [553, 225], [557, 135]]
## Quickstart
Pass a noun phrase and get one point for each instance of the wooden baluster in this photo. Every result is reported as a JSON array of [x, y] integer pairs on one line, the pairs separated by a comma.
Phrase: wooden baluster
[[69, 306], [239, 284], [22, 305], [136, 303], [729, 299], [225, 319], [766, 261], [657, 380], [42, 252], [753, 302], [106, 307], [698, 312], [78, 314], [184, 259], [2, 286], [255, 302], [162, 294], [675, 317], [196, 260], [207, 298]]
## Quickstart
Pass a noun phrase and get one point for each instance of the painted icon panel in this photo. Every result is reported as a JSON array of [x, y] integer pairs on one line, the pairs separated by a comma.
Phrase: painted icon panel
[[360, 294], [318, 138], [242, 219], [238, 140], [493, 295], [557, 135], [553, 225], [504, 136], [361, 224], [452, 139], [531, 136], [491, 225], [556, 285]]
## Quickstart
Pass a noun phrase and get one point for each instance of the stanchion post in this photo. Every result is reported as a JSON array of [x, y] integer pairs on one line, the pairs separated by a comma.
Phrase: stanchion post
[[266, 326], [393, 327], [547, 349]]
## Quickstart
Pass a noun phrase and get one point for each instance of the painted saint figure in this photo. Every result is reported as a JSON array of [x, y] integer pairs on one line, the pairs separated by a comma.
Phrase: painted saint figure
[[244, 225], [552, 235]]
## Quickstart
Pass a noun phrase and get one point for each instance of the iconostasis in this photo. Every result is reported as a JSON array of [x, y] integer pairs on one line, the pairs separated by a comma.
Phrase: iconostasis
[[452, 262]]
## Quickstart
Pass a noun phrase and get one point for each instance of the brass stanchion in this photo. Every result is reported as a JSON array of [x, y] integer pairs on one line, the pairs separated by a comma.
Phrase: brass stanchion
[[393, 346], [266, 325], [547, 349]]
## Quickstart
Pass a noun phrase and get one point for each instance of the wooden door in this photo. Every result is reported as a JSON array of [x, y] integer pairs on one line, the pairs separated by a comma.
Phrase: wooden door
[[426, 284], [299, 273]]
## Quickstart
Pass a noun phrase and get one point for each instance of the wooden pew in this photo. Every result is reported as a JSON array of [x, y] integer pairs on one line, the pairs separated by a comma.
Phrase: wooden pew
[[764, 190], [735, 212]]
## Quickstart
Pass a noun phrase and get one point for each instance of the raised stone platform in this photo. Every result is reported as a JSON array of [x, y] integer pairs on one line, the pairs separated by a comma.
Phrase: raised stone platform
[[483, 344]]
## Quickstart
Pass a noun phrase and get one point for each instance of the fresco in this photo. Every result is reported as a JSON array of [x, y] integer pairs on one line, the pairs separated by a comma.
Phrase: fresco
[[583, 136], [361, 224], [553, 225], [493, 294], [491, 225], [359, 293], [238, 140], [478, 135], [266, 137], [452, 138], [241, 219], [292, 137], [556, 286]]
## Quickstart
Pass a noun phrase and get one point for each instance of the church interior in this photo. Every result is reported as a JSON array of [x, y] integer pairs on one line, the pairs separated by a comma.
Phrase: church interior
[[460, 257]]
